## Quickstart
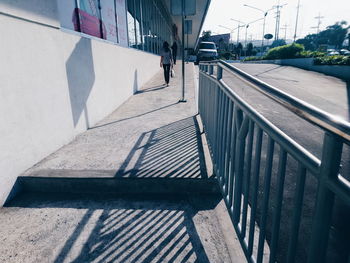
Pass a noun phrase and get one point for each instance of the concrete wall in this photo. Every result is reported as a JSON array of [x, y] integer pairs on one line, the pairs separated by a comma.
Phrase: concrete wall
[[55, 85], [42, 11]]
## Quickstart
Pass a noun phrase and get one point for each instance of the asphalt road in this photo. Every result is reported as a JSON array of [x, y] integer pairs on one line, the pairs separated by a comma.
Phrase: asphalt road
[[327, 93]]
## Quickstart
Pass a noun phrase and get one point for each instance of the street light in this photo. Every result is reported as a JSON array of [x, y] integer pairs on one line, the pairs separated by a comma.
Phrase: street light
[[265, 14], [231, 30], [239, 26], [246, 31]]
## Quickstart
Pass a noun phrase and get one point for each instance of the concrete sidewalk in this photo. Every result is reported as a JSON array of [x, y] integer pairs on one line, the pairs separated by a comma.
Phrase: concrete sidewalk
[[151, 136]]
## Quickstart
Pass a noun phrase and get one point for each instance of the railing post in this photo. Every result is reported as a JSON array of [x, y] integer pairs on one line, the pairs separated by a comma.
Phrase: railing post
[[211, 69], [219, 72], [331, 157]]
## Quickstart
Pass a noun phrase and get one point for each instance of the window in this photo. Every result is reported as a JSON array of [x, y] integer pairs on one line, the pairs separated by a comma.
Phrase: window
[[104, 19], [141, 24], [207, 46]]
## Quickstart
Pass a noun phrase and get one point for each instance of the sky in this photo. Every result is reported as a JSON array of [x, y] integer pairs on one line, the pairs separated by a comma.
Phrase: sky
[[221, 11]]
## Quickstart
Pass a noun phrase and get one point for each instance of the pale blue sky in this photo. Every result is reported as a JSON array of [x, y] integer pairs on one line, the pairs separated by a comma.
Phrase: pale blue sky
[[221, 11]]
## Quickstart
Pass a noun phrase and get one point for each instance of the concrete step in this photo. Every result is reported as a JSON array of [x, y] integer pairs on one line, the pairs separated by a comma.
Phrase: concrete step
[[117, 185]]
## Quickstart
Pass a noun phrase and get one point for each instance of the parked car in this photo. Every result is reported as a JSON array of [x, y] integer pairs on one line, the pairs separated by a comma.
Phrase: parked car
[[206, 51], [345, 52], [332, 52]]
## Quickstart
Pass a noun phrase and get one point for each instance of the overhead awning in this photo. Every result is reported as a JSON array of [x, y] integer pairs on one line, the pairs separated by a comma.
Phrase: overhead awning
[[202, 7]]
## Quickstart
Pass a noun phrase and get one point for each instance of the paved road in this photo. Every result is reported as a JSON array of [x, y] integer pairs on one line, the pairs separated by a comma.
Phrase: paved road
[[328, 93]]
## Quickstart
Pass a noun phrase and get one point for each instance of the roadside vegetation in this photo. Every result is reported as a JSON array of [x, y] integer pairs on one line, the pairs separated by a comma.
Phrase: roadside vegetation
[[329, 47], [298, 51], [332, 60]]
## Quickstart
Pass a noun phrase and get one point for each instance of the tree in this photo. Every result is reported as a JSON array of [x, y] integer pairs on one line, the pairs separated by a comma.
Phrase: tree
[[238, 49], [206, 35], [250, 49], [334, 35], [309, 42], [279, 42]]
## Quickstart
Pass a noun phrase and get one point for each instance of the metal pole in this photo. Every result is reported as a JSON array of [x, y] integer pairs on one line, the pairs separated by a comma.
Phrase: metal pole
[[238, 33], [183, 52], [246, 31], [296, 21], [277, 20], [262, 41], [187, 43], [135, 25]]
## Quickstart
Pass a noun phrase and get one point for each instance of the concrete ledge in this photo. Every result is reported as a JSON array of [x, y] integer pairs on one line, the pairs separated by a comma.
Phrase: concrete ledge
[[118, 185]]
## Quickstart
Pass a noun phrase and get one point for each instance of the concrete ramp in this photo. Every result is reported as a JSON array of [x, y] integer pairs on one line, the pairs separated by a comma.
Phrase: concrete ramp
[[151, 144]]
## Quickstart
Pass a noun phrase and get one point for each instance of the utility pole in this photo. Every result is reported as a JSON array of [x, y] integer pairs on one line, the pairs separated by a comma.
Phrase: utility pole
[[278, 18], [285, 27], [231, 31], [238, 27], [296, 21], [319, 17]]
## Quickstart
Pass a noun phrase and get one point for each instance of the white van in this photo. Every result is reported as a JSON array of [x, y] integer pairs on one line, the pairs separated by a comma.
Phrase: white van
[[206, 51]]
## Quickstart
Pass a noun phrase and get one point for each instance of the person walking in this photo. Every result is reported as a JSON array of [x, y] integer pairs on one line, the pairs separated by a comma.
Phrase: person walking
[[174, 48], [166, 61]]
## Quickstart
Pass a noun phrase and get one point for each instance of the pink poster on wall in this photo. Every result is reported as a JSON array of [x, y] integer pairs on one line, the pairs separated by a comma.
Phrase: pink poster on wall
[[84, 16], [121, 19], [88, 19]]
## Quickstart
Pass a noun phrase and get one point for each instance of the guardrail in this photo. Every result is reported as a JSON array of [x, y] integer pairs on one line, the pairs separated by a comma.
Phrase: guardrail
[[235, 131]]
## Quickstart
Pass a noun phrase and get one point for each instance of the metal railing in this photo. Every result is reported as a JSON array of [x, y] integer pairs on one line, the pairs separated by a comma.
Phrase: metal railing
[[235, 132]]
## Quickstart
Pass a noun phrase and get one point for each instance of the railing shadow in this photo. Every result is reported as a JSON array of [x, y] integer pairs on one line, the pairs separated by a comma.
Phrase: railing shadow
[[171, 151], [132, 229]]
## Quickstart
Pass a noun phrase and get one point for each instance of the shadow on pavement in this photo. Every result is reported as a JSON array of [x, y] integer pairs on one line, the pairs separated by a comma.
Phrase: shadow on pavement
[[171, 151], [125, 119], [132, 229]]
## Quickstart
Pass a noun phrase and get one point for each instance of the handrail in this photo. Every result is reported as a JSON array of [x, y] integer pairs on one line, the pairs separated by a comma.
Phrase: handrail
[[321, 118], [300, 152], [251, 160]]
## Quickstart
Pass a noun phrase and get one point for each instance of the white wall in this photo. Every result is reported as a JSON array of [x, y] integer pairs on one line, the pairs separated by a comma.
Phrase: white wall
[[53, 86], [42, 11]]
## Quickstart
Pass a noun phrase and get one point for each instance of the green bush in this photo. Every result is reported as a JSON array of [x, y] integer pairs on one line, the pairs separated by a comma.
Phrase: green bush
[[252, 58], [286, 51], [332, 60], [226, 55], [310, 54]]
